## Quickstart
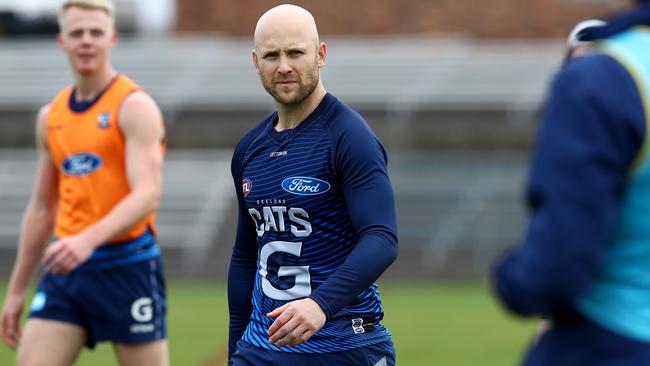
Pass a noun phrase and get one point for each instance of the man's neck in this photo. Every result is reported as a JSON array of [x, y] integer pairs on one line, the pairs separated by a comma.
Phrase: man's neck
[[89, 86], [290, 116]]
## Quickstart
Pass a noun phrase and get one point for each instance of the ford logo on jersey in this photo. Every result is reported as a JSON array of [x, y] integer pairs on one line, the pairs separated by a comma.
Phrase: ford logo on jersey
[[305, 186], [81, 164]]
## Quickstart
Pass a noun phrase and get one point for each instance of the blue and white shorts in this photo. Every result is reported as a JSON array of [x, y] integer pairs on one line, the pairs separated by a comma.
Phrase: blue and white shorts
[[123, 303]]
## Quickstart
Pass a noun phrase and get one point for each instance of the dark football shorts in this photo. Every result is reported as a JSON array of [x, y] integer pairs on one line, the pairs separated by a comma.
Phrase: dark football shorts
[[113, 299], [378, 354]]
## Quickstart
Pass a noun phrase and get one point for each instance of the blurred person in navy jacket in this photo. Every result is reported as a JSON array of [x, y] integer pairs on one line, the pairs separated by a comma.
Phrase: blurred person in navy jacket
[[585, 261]]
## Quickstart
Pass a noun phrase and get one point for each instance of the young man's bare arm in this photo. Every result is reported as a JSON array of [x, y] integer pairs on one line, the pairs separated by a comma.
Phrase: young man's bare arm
[[36, 229]]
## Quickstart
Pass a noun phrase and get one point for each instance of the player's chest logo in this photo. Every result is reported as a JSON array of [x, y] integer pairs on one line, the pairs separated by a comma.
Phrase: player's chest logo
[[246, 186], [305, 186], [81, 164], [104, 120]]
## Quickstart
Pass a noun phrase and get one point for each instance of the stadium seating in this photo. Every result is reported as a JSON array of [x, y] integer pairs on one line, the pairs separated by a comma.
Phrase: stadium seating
[[456, 209], [215, 72]]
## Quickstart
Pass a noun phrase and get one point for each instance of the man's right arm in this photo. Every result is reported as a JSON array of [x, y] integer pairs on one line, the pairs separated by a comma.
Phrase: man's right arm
[[36, 229], [243, 265]]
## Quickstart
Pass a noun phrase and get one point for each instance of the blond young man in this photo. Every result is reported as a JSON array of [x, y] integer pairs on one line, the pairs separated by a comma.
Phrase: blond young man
[[98, 184]]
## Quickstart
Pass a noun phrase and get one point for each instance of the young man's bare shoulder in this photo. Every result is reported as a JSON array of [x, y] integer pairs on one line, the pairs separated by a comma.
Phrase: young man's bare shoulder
[[41, 117], [139, 99], [139, 108]]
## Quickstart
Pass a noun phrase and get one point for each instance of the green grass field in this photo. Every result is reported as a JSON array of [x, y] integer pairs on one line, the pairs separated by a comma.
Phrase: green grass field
[[445, 324]]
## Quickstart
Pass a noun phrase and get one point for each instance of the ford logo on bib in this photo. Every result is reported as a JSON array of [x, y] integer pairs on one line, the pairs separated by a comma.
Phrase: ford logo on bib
[[305, 186], [81, 164]]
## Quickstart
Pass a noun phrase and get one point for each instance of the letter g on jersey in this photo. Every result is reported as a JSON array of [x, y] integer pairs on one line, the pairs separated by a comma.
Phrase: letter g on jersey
[[141, 310]]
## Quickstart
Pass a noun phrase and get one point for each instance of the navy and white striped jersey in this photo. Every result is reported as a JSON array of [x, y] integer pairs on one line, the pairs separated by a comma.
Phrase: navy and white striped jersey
[[317, 219]]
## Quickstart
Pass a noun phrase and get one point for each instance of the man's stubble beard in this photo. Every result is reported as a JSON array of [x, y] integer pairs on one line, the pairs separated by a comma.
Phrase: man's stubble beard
[[304, 91]]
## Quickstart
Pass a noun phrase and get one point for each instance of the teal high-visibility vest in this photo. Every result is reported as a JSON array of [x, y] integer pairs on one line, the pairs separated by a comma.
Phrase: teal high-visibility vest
[[619, 299]]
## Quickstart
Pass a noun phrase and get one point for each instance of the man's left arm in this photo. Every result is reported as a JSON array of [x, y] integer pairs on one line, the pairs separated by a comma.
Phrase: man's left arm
[[361, 164], [141, 123]]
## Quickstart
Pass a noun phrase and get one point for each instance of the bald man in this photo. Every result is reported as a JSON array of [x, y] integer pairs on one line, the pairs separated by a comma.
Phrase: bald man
[[316, 222]]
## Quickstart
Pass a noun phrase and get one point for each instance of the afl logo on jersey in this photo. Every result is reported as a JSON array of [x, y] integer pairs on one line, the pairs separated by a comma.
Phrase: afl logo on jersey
[[246, 186], [104, 120], [81, 164], [305, 186]]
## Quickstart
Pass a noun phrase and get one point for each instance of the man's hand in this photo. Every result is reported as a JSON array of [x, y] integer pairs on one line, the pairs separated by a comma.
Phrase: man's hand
[[66, 254], [11, 312], [295, 322]]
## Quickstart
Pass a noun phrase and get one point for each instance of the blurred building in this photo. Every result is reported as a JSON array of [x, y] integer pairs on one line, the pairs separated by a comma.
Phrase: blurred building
[[477, 19]]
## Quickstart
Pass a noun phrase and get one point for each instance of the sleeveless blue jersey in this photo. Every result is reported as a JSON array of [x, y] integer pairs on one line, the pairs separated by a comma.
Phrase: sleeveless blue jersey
[[291, 186]]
